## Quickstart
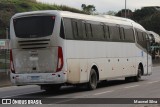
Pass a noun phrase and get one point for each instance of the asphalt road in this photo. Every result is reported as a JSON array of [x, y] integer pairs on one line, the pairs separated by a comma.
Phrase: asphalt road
[[148, 87]]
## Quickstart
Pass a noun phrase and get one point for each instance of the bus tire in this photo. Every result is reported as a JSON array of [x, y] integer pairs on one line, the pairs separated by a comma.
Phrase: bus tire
[[92, 84], [139, 75]]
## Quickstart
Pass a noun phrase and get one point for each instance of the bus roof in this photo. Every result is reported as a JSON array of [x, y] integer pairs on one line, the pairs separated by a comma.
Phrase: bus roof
[[101, 18]]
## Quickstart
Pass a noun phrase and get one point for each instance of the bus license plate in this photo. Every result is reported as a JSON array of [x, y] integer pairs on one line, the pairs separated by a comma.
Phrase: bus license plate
[[35, 77], [33, 58]]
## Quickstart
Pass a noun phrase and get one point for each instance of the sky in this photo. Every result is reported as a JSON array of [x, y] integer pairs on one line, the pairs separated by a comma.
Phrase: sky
[[105, 5]]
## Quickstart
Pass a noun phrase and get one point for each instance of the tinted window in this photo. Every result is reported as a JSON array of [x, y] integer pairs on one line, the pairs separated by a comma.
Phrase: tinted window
[[142, 38], [34, 27], [84, 29], [106, 31], [89, 30], [114, 33], [62, 35], [98, 32], [129, 34], [68, 28], [75, 29], [137, 35], [122, 33]]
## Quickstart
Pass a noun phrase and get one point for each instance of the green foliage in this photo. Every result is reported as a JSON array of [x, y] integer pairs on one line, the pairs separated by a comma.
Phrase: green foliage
[[149, 18], [123, 11], [9, 7], [112, 13], [88, 9], [141, 14], [152, 22]]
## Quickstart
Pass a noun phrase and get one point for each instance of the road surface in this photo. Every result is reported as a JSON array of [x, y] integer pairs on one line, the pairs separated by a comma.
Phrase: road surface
[[148, 87]]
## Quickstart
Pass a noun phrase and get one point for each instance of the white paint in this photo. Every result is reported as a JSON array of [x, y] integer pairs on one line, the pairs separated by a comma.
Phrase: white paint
[[153, 82], [132, 86], [104, 92]]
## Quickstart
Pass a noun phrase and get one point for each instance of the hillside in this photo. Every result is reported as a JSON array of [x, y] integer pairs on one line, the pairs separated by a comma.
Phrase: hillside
[[10, 7]]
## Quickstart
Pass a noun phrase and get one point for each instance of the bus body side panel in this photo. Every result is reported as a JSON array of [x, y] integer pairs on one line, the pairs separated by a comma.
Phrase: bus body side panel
[[112, 60]]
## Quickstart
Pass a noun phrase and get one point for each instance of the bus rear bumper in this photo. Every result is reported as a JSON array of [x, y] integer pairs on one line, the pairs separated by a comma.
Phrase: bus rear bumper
[[38, 78]]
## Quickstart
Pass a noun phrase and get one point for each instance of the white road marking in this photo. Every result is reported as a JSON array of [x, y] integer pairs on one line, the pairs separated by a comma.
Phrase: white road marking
[[82, 96], [153, 82], [104, 92], [132, 86]]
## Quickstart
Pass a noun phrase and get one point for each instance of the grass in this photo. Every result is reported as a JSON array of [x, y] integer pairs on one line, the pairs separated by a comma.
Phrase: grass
[[4, 66]]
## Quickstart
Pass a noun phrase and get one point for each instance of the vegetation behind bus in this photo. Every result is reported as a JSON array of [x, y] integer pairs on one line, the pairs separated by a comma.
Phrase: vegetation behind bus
[[9, 7]]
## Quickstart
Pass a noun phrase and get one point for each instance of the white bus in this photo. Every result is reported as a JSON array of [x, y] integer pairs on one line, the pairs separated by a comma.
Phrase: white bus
[[154, 44], [52, 48]]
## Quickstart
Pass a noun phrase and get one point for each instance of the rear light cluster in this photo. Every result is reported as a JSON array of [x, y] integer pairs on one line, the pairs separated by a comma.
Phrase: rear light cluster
[[60, 59], [11, 62]]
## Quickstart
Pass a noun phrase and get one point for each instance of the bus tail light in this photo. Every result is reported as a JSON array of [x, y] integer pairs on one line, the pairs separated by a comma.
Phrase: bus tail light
[[60, 59], [11, 62]]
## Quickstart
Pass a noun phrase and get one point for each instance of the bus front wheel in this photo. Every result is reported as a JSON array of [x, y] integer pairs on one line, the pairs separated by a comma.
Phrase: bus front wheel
[[139, 75]]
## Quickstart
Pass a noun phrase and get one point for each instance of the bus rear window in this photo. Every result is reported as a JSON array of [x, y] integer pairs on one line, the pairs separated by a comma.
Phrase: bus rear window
[[34, 27]]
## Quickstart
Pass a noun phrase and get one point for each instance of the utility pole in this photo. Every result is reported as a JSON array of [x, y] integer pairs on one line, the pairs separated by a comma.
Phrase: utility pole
[[6, 50], [125, 8]]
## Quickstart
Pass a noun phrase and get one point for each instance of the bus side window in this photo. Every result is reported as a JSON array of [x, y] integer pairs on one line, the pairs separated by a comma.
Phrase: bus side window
[[145, 36], [62, 35], [89, 30], [122, 33], [114, 31], [137, 38], [85, 36], [68, 28], [97, 31], [107, 32], [129, 34], [140, 35], [75, 29], [132, 34]]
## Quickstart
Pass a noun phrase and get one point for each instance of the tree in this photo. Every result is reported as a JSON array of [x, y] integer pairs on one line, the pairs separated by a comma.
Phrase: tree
[[113, 13], [143, 13], [152, 22], [88, 9], [121, 13]]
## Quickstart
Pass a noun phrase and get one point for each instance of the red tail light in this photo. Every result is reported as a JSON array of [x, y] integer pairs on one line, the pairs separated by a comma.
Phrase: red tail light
[[11, 63], [60, 60]]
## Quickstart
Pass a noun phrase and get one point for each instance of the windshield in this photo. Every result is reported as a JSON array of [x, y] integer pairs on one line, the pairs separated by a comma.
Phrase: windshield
[[34, 27]]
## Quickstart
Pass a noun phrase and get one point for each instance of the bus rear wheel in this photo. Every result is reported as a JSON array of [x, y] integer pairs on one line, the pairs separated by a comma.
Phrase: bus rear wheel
[[92, 84]]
